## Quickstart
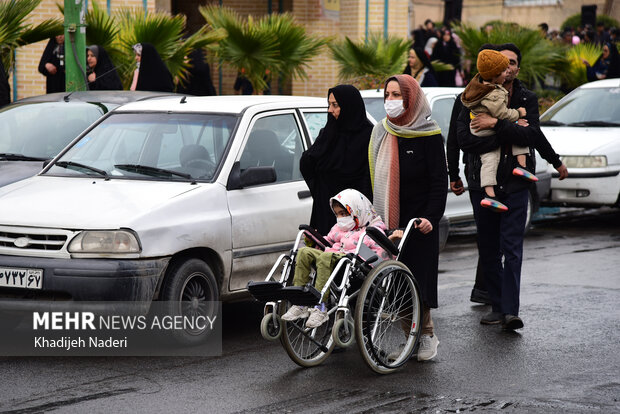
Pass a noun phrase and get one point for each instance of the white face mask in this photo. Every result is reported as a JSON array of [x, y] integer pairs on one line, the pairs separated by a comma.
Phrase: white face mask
[[394, 107], [346, 223]]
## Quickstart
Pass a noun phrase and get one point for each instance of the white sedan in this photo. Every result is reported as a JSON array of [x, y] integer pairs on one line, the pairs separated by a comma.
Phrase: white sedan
[[584, 128]]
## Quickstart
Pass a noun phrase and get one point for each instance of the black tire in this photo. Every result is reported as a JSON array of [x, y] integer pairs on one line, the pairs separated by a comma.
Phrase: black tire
[[341, 338], [300, 348], [268, 329], [388, 317], [190, 289]]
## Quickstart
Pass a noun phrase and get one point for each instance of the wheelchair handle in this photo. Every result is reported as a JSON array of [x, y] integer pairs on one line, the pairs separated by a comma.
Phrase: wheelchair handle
[[315, 235], [381, 239]]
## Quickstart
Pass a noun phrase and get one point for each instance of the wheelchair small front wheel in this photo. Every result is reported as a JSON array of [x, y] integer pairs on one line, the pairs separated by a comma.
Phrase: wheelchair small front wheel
[[269, 329], [388, 317], [343, 332]]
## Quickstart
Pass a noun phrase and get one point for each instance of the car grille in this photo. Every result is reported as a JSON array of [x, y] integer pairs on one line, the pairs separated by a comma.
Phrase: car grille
[[32, 241]]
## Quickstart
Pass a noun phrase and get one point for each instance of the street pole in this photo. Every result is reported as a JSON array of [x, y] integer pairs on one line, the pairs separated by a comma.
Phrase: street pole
[[75, 46]]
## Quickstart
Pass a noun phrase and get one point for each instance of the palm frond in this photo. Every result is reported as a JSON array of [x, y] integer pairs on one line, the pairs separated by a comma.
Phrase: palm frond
[[247, 46], [295, 47], [539, 57], [574, 73], [378, 58]]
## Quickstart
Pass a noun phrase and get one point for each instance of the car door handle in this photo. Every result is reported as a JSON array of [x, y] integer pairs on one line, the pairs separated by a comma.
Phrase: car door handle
[[303, 194]]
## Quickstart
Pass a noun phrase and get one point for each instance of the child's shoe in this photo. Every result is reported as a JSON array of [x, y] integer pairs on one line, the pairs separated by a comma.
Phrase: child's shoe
[[317, 318], [525, 174], [493, 204], [296, 312]]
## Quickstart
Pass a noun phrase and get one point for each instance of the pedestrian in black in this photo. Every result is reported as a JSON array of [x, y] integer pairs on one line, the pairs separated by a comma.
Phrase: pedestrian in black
[[338, 159], [152, 73], [500, 236], [102, 74], [420, 68], [5, 89], [52, 64], [199, 81], [447, 51]]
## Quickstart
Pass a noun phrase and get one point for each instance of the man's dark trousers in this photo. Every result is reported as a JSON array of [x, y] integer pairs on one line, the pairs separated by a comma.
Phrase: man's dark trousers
[[500, 236]]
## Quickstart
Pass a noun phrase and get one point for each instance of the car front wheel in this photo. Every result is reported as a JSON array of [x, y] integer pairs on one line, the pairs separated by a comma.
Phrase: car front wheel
[[190, 290]]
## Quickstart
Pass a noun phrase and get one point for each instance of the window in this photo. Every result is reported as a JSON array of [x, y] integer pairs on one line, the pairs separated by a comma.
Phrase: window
[[274, 141], [441, 112], [315, 121]]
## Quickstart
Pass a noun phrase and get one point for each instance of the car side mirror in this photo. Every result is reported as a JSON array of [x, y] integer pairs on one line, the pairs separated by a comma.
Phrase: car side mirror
[[250, 176]]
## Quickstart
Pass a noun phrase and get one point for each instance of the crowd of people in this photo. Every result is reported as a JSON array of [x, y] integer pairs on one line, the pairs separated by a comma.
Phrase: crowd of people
[[150, 74], [444, 47]]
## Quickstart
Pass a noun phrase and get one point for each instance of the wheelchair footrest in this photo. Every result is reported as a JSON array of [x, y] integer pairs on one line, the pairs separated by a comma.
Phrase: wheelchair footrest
[[265, 291], [301, 295]]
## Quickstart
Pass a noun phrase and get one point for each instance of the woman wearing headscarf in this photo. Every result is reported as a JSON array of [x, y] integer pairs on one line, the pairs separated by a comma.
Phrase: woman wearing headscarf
[[410, 179], [447, 51], [199, 81], [338, 159], [607, 66], [102, 75], [151, 73], [419, 66]]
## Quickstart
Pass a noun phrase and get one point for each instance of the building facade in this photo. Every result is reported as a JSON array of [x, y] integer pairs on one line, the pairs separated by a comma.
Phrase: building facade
[[329, 18]]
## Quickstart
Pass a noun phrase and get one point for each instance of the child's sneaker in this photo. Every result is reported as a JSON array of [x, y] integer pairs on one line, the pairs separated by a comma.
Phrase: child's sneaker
[[317, 318], [296, 312], [525, 174], [493, 204]]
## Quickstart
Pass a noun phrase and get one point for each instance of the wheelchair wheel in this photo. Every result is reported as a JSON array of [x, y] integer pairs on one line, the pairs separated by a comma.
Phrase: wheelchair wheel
[[308, 347], [268, 329], [388, 317], [342, 338]]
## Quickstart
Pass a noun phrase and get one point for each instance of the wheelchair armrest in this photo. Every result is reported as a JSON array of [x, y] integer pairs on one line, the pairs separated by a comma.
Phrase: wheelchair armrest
[[381, 239], [315, 235]]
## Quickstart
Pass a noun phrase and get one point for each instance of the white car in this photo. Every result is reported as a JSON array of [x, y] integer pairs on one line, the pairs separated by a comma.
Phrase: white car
[[584, 128], [441, 100], [180, 199]]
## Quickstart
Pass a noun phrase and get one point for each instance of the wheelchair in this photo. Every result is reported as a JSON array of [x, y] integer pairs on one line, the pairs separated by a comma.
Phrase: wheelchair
[[373, 302]]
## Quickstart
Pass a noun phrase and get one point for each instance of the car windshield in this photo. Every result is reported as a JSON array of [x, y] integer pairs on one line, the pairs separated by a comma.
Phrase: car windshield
[[160, 146], [41, 130], [585, 107]]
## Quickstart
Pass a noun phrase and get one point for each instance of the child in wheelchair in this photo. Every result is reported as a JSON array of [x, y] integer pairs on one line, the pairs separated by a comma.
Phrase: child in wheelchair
[[354, 213]]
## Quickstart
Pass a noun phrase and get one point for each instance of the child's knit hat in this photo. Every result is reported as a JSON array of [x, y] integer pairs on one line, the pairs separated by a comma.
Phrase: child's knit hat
[[491, 63]]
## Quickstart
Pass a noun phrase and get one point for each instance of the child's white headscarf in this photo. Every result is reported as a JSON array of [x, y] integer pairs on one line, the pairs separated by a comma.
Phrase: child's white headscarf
[[358, 206]]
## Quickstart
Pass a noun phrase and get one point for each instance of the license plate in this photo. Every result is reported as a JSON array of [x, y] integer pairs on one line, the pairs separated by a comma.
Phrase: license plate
[[21, 278]]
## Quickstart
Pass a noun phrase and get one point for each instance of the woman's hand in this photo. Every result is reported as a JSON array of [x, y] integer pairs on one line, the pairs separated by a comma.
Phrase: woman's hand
[[92, 77], [425, 226]]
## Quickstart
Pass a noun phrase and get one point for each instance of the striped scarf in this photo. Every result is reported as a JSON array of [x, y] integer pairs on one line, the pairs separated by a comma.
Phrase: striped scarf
[[383, 157]]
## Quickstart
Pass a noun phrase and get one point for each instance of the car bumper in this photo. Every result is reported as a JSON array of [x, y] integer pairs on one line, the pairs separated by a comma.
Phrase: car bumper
[[84, 280], [586, 188]]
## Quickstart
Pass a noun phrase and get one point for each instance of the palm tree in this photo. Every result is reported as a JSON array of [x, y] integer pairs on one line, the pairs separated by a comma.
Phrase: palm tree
[[15, 32], [539, 56], [118, 32], [368, 64], [272, 44]]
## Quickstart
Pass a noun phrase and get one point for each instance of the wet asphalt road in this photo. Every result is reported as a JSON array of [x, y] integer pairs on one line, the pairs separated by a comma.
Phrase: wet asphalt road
[[566, 359]]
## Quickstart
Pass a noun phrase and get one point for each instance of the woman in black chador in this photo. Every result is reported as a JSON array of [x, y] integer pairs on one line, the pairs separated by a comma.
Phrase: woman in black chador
[[152, 73], [52, 64], [102, 75], [338, 159], [199, 81]]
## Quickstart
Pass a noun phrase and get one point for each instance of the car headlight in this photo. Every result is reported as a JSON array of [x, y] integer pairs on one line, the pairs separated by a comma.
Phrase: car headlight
[[105, 241], [585, 161]]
